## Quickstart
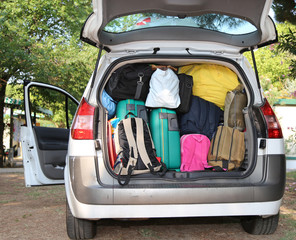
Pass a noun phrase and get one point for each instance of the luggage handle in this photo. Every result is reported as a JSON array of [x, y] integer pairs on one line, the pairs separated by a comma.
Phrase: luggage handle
[[142, 112], [129, 113], [172, 120]]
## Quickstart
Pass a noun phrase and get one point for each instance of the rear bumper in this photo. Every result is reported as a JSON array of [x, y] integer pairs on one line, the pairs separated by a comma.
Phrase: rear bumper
[[87, 211], [260, 193]]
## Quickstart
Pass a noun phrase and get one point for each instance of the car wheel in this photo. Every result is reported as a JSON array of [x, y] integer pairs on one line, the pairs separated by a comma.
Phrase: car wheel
[[79, 228], [258, 225]]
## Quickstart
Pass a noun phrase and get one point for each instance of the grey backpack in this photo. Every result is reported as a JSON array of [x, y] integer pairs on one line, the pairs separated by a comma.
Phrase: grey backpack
[[135, 150]]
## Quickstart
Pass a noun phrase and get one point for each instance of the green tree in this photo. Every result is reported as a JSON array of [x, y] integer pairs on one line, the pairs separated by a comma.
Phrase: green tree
[[288, 46], [39, 41], [285, 10], [274, 68]]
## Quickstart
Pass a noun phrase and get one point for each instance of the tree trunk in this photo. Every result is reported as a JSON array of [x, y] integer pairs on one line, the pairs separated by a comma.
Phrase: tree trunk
[[3, 83]]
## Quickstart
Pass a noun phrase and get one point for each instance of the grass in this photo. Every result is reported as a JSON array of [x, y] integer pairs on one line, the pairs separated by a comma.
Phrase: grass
[[48, 191], [60, 211], [146, 233], [7, 201], [56, 190], [4, 193], [292, 175], [25, 216], [289, 219], [290, 232], [35, 194]]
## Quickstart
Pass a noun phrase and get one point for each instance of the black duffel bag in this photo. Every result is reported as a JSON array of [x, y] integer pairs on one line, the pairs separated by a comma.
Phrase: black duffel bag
[[130, 82]]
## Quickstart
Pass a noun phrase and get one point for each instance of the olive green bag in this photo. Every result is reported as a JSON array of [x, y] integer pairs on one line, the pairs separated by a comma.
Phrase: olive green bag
[[227, 148], [235, 102]]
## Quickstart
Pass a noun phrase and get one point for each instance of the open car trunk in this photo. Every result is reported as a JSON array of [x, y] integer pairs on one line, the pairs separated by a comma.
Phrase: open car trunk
[[207, 175]]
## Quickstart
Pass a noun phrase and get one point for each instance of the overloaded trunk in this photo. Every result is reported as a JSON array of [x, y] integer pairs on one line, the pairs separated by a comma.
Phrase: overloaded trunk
[[205, 106]]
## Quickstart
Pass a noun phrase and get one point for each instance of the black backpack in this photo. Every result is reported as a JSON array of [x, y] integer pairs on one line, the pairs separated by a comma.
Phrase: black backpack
[[135, 149], [130, 82]]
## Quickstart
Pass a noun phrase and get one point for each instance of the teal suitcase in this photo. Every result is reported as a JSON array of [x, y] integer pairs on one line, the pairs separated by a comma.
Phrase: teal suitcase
[[166, 136], [131, 108]]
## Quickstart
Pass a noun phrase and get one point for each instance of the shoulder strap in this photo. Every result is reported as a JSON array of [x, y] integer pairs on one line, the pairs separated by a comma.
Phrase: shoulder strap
[[141, 142], [127, 178], [218, 144], [132, 162], [142, 149], [127, 123]]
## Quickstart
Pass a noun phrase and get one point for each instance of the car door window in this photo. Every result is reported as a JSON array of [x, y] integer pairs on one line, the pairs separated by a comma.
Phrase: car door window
[[51, 108], [71, 110]]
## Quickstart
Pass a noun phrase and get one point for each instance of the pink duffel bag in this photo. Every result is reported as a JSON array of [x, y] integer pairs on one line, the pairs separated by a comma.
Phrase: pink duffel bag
[[194, 152]]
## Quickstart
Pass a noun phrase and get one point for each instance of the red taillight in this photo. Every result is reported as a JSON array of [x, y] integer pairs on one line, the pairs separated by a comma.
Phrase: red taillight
[[82, 127], [273, 125]]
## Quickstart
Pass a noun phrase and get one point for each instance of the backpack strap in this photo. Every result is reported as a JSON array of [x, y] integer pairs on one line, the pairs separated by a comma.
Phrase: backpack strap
[[141, 145], [142, 149], [225, 164], [132, 162], [127, 178], [221, 131], [131, 142]]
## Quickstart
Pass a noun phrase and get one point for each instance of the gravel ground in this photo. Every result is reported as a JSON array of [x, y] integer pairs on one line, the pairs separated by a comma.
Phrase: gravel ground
[[39, 213]]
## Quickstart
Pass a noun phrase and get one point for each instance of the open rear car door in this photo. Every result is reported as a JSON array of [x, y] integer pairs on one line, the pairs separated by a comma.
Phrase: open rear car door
[[49, 113]]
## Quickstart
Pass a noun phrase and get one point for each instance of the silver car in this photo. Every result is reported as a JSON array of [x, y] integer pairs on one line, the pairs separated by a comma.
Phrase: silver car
[[63, 144]]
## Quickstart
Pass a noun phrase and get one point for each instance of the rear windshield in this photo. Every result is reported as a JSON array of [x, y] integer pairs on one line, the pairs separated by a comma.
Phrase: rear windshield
[[215, 22]]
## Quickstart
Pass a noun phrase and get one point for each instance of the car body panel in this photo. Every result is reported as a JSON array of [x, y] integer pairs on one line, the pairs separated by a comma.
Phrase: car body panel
[[205, 189], [264, 198]]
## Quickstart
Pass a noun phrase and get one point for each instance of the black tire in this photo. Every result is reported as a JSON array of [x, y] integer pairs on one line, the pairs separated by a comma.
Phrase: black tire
[[260, 226], [79, 228]]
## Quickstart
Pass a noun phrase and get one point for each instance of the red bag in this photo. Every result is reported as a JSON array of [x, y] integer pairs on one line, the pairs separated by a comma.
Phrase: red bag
[[110, 143]]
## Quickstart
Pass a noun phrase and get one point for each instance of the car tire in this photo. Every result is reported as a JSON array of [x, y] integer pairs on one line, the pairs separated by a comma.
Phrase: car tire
[[79, 228], [258, 225]]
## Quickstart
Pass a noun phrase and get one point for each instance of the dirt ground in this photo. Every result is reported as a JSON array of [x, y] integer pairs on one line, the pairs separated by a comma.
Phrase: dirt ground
[[39, 213]]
